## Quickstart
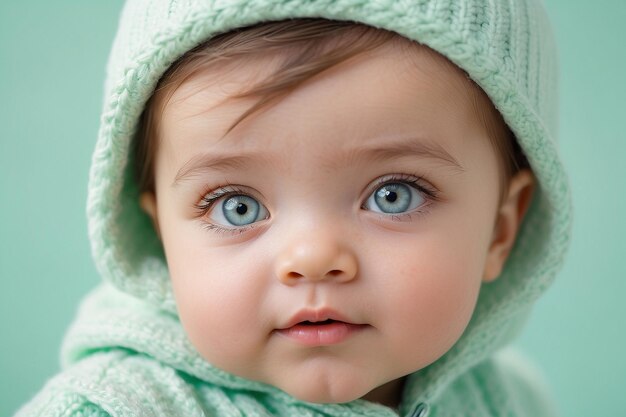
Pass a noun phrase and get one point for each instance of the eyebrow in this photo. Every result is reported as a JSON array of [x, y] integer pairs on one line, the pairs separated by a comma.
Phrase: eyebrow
[[211, 162], [407, 147], [401, 148]]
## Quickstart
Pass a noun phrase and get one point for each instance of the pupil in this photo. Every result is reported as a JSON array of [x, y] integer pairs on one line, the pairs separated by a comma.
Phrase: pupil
[[241, 208], [391, 196]]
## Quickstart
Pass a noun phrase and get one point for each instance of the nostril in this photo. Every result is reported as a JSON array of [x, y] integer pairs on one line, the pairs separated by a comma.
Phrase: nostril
[[335, 272], [294, 275]]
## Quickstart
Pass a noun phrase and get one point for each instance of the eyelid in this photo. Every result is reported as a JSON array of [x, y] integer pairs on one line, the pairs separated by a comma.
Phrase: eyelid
[[416, 181], [428, 192], [208, 198], [214, 195], [211, 194]]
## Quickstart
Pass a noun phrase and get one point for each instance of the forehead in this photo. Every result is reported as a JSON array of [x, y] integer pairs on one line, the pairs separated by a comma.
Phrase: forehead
[[399, 89]]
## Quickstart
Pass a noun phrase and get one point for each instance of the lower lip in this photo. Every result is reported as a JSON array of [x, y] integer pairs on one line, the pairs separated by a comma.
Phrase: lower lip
[[321, 335]]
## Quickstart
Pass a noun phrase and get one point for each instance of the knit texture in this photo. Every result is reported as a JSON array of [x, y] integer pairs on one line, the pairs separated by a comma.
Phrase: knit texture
[[506, 47]]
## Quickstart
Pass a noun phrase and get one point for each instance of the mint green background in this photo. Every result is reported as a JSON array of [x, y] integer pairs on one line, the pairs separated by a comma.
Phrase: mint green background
[[52, 57]]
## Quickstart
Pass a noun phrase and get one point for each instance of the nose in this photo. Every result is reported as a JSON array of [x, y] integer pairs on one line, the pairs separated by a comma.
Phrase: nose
[[315, 259]]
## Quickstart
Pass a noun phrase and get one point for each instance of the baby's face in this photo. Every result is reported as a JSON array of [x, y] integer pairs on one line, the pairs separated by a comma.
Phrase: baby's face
[[334, 242]]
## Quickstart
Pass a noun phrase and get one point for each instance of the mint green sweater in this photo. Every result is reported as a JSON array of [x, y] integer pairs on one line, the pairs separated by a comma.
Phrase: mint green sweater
[[127, 354]]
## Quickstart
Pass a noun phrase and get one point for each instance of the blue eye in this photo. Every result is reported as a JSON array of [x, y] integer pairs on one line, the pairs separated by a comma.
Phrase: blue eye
[[239, 210], [394, 198]]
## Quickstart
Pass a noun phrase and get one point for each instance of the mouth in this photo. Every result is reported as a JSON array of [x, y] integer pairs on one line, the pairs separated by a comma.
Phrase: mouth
[[315, 317], [318, 323], [319, 328]]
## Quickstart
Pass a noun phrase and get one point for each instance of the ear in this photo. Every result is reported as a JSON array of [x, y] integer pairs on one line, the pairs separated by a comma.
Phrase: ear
[[148, 203], [508, 220]]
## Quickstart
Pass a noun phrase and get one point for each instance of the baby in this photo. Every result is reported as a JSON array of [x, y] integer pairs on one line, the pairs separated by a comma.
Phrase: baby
[[319, 208]]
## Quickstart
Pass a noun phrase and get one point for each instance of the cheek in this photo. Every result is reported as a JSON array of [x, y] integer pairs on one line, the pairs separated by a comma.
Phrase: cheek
[[217, 300], [430, 295]]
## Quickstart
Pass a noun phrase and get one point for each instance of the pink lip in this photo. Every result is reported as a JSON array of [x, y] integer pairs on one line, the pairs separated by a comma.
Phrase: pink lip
[[319, 328]]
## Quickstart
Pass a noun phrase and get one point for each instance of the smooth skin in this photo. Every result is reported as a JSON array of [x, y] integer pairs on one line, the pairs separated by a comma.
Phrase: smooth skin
[[314, 178]]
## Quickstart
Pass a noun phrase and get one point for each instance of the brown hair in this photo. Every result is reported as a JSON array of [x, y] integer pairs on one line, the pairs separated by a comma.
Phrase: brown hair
[[307, 46]]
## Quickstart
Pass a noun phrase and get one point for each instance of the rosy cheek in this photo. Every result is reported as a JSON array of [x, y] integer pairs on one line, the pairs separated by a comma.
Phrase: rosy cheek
[[209, 321], [217, 302], [434, 297]]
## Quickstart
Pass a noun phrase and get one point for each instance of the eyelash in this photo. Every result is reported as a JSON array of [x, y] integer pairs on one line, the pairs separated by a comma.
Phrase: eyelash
[[429, 192], [211, 196]]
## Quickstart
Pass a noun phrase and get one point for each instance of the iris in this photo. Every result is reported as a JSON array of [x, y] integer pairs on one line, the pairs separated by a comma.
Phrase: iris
[[395, 198], [241, 210]]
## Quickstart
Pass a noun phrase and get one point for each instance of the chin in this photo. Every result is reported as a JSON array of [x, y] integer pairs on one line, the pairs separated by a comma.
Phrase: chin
[[321, 393]]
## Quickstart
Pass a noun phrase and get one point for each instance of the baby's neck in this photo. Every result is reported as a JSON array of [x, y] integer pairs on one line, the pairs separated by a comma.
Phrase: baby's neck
[[388, 394]]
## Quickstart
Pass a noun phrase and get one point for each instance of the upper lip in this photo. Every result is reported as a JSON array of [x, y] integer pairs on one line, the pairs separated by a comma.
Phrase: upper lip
[[314, 316]]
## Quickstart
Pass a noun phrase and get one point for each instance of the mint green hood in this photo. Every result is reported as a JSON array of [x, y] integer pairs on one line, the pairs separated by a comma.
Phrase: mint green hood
[[505, 46]]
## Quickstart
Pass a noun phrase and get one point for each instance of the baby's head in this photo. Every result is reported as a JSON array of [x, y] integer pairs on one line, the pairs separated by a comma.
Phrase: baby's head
[[330, 198]]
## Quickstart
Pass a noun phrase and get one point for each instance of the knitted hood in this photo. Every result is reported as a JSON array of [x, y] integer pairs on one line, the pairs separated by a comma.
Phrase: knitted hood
[[506, 47]]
